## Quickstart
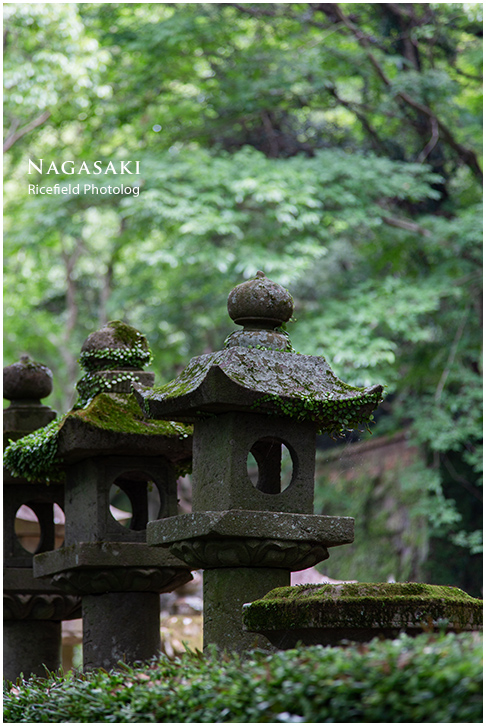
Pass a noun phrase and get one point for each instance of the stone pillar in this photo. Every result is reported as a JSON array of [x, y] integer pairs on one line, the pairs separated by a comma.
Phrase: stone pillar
[[225, 591], [254, 397], [135, 614], [33, 611], [103, 441]]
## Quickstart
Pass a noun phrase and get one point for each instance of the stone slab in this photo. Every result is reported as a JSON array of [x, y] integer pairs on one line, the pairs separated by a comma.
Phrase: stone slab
[[22, 580], [328, 531], [327, 614], [102, 555]]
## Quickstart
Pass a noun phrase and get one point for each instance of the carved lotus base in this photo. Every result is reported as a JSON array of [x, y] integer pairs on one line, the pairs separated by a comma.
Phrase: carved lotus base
[[95, 581], [242, 538], [209, 553], [40, 606]]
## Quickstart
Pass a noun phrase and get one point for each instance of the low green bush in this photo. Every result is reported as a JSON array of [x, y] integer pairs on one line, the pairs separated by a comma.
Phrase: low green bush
[[431, 679]]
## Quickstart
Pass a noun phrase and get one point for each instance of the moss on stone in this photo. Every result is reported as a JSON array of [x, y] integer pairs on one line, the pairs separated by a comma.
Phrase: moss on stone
[[127, 335], [363, 605], [35, 456], [266, 382], [121, 413]]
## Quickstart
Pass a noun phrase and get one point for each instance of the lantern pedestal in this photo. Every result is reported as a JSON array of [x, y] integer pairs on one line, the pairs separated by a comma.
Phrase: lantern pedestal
[[135, 614], [119, 583], [32, 611], [243, 553]]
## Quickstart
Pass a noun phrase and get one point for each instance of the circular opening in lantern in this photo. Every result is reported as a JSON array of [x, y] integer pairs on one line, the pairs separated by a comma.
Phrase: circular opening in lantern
[[120, 506], [270, 465], [27, 528], [39, 526], [134, 500]]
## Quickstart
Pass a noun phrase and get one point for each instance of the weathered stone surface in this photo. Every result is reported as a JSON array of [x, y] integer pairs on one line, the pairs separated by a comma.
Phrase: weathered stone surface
[[115, 336], [31, 646], [260, 303], [26, 380], [114, 425], [87, 500], [207, 553], [300, 387], [24, 384], [263, 339], [40, 606], [326, 531], [131, 632], [41, 499], [103, 556], [327, 614], [97, 580], [220, 474], [98, 567], [21, 418], [32, 611], [225, 590]]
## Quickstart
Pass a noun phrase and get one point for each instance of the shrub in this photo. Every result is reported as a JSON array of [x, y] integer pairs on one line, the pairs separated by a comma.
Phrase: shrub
[[431, 678]]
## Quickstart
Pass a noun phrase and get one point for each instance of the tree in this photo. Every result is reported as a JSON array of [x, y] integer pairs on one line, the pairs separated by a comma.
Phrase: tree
[[336, 146]]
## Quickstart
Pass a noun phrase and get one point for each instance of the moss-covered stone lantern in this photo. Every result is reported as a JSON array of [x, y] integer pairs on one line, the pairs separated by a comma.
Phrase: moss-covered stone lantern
[[103, 445], [255, 398], [32, 610]]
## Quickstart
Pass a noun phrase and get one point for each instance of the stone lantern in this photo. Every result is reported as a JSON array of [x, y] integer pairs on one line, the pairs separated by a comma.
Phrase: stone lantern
[[256, 396], [32, 610], [105, 442]]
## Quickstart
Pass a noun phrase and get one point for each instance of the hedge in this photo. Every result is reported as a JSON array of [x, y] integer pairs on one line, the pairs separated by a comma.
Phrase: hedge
[[427, 679]]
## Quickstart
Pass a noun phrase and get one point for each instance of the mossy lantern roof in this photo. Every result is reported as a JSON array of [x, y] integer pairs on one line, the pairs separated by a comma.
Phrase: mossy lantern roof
[[105, 421], [258, 371]]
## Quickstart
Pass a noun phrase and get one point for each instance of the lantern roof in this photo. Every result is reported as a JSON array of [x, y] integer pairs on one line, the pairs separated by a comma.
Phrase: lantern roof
[[106, 420], [258, 371]]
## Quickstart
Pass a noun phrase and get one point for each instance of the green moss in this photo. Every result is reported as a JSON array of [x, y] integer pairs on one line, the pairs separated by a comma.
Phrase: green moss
[[128, 349], [280, 385], [380, 590], [363, 605], [127, 335], [121, 412], [34, 457]]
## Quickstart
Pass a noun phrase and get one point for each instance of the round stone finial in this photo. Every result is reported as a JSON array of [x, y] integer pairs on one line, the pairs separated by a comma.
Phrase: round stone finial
[[26, 380], [117, 345], [260, 303]]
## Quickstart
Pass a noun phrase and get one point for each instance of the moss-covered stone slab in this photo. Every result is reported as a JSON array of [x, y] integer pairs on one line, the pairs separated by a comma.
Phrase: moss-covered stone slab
[[301, 387], [329, 614]]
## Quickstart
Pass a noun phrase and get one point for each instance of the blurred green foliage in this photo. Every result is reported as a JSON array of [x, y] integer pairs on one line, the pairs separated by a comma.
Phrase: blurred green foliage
[[335, 146], [427, 679]]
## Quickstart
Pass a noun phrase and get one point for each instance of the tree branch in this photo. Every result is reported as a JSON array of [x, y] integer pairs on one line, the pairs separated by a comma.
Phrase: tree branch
[[452, 355], [431, 143], [467, 155], [12, 138], [407, 224], [460, 479]]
